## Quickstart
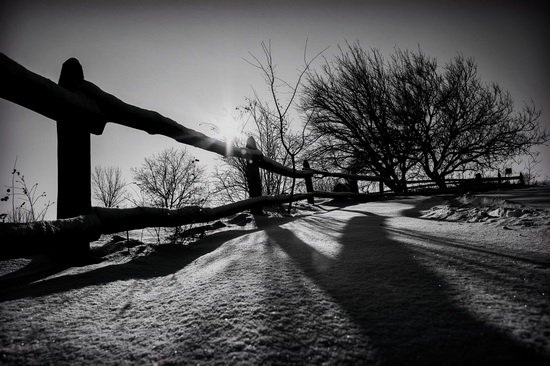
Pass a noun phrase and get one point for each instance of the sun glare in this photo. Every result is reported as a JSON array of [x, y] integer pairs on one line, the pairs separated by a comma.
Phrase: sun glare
[[230, 131]]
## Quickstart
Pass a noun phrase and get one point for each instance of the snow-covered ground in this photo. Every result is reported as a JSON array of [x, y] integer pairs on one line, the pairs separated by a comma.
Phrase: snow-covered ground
[[413, 281], [538, 196]]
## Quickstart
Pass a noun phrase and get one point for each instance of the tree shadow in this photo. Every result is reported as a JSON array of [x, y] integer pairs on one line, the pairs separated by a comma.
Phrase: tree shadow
[[533, 258], [405, 310], [166, 259]]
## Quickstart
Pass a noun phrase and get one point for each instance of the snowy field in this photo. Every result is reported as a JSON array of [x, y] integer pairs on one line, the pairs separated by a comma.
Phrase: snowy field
[[406, 281]]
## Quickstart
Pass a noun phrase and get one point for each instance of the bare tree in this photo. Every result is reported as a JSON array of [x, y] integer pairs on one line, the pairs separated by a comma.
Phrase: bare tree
[[460, 123], [352, 116], [398, 116], [229, 177], [229, 180], [272, 131], [108, 186], [268, 140], [171, 179], [278, 112]]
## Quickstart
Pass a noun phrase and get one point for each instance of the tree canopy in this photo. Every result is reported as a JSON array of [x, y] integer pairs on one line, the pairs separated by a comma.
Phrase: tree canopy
[[407, 115], [108, 186], [171, 179]]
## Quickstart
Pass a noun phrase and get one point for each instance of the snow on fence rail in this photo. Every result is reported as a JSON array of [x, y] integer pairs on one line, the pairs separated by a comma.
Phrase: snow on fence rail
[[81, 108]]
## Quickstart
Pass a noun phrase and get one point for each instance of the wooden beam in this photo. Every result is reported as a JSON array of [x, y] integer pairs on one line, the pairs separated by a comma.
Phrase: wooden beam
[[27, 239], [43, 96], [91, 105]]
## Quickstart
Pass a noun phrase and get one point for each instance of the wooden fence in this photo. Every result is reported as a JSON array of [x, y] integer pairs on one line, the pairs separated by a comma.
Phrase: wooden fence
[[80, 108]]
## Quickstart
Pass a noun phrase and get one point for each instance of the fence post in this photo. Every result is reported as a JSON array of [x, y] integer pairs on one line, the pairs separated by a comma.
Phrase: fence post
[[353, 185], [381, 183], [73, 164], [253, 176], [478, 180], [521, 179], [309, 182]]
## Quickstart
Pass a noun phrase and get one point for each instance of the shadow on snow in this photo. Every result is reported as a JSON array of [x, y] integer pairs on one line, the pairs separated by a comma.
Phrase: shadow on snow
[[405, 310], [164, 260]]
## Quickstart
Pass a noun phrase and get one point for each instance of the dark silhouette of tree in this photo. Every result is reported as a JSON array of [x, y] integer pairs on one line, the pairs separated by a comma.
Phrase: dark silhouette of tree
[[171, 179], [278, 112], [108, 186], [229, 180], [352, 116], [267, 135], [457, 122], [274, 130], [406, 115]]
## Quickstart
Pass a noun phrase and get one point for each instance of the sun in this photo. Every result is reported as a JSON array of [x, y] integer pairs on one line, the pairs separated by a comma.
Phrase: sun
[[230, 131]]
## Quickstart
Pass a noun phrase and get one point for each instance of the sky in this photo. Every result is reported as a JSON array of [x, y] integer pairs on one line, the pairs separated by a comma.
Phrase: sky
[[187, 60]]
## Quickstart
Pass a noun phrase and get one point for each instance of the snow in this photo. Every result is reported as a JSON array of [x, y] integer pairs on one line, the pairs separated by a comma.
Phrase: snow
[[390, 282]]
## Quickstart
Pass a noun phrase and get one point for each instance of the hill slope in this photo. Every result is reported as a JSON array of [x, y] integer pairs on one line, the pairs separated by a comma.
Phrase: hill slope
[[342, 283]]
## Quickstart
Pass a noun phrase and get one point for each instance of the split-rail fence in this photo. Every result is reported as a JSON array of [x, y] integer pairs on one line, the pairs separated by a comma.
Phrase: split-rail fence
[[81, 108]]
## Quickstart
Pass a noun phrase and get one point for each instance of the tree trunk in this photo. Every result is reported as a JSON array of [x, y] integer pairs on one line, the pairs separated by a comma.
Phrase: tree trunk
[[394, 185], [437, 178]]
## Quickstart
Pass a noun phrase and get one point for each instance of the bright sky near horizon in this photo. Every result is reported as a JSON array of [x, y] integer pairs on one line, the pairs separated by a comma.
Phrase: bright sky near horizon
[[185, 59]]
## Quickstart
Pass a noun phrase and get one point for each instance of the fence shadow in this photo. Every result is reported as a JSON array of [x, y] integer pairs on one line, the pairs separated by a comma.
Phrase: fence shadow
[[165, 260], [406, 311], [38, 268]]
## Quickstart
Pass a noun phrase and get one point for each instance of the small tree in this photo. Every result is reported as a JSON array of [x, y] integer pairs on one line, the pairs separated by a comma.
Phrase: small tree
[[229, 180], [171, 179], [268, 140], [279, 113], [230, 175], [272, 132], [108, 186]]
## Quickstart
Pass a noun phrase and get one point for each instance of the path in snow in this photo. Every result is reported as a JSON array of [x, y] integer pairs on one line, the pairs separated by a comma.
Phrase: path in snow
[[344, 283]]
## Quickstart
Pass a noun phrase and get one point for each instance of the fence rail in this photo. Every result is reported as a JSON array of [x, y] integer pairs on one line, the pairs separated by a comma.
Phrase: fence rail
[[82, 108]]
